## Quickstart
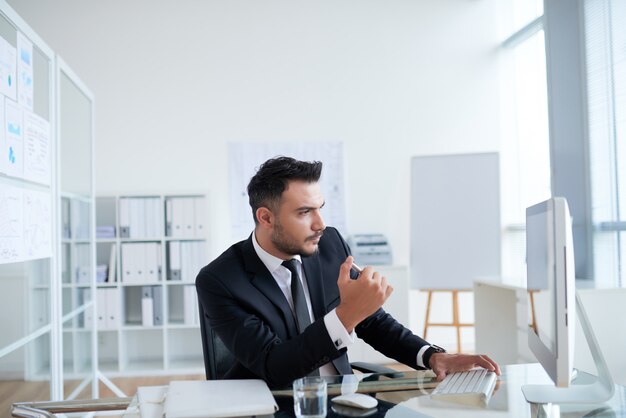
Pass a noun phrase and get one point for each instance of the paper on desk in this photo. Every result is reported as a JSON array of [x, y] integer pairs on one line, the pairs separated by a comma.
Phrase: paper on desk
[[218, 398]]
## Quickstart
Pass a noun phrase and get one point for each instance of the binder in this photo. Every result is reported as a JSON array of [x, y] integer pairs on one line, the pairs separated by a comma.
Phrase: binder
[[112, 270], [147, 217], [124, 217], [151, 262], [174, 260], [188, 217], [112, 309], [168, 217], [83, 263], [159, 262], [102, 308], [184, 250], [157, 304], [128, 269], [66, 269], [200, 217], [136, 221], [157, 223], [147, 307], [85, 225], [75, 220], [65, 218], [177, 217], [139, 262]]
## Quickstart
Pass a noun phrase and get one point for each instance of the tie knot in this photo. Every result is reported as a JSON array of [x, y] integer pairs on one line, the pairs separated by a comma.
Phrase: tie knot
[[291, 265]]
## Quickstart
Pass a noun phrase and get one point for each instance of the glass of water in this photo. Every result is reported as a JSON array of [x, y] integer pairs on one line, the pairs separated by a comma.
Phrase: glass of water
[[309, 397]]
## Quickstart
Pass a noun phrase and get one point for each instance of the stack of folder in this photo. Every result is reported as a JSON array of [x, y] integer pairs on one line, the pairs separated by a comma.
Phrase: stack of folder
[[185, 259], [185, 217], [140, 217], [108, 309], [141, 262]]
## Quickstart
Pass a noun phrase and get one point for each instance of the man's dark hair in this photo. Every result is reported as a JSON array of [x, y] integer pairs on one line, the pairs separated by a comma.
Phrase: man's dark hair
[[270, 181]]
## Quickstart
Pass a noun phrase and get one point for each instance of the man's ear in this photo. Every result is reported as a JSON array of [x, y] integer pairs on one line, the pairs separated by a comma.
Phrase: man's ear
[[265, 217]]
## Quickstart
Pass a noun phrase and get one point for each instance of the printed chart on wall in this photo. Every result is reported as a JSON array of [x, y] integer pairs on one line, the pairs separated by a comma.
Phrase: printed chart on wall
[[25, 154], [25, 224], [245, 158]]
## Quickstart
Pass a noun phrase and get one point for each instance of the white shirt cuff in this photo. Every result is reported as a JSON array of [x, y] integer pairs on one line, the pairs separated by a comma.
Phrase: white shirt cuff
[[338, 333], [420, 356]]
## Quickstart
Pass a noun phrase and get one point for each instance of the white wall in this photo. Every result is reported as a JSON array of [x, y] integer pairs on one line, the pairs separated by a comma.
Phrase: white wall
[[175, 81]]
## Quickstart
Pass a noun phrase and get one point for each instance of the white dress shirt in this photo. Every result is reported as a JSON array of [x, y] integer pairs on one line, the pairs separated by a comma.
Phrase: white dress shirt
[[338, 333]]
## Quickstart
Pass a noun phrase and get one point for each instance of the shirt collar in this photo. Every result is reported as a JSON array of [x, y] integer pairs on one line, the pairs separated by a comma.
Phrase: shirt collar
[[272, 263]]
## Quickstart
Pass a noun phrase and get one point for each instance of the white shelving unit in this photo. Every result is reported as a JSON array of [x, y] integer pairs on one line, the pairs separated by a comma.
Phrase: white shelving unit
[[76, 286], [153, 248]]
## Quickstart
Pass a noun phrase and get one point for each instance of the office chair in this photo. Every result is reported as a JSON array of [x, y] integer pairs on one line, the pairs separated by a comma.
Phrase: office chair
[[218, 359]]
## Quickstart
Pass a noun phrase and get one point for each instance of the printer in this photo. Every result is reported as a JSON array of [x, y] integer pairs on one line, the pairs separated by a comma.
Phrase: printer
[[370, 249]]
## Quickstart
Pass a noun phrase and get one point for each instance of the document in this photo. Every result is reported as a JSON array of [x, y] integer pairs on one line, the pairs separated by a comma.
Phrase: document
[[37, 224], [37, 156], [8, 69], [25, 86], [11, 224], [13, 139], [218, 398]]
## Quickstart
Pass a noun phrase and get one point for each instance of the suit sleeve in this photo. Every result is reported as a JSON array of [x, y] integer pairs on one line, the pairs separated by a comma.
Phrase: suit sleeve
[[388, 336]]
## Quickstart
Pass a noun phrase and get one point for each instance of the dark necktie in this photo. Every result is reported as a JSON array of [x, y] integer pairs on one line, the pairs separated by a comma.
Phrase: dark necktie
[[300, 308]]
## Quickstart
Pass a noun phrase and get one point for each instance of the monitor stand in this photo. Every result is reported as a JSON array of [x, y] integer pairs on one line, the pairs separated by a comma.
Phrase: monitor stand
[[599, 391]]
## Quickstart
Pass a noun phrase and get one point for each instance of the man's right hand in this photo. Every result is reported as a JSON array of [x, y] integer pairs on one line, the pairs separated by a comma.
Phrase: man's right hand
[[361, 297]]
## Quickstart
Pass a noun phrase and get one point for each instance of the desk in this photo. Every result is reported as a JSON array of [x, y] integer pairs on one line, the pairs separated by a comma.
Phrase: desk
[[407, 397]]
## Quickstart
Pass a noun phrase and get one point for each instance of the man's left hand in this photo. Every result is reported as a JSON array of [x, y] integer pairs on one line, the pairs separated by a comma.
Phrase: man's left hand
[[444, 363]]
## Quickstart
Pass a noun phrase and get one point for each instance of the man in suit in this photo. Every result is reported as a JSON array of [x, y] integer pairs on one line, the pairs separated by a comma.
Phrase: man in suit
[[283, 301]]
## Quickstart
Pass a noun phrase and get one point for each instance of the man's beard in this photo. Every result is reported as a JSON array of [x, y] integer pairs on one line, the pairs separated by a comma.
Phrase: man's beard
[[288, 246]]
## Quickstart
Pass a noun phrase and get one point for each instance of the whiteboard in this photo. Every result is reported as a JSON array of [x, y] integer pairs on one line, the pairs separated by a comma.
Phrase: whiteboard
[[455, 220]]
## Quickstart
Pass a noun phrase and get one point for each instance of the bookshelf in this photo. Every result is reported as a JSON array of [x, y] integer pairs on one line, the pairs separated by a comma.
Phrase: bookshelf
[[149, 249]]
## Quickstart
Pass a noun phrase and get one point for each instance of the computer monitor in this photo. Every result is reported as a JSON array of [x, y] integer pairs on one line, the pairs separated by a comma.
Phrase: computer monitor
[[551, 278], [550, 272]]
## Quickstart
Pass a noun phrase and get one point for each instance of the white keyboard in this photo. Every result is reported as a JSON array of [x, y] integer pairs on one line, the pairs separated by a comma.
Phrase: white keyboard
[[473, 387]]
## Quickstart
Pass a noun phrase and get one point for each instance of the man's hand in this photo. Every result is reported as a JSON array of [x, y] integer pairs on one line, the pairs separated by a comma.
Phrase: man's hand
[[444, 363], [361, 297]]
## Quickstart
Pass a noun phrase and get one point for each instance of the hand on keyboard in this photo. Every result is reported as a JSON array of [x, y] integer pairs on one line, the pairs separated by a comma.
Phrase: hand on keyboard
[[473, 387], [444, 363]]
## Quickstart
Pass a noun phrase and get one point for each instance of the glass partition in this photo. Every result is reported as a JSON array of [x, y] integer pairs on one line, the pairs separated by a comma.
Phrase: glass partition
[[77, 249], [28, 281]]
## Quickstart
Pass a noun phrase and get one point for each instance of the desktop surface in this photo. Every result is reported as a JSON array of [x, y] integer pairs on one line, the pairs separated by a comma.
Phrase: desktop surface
[[408, 396]]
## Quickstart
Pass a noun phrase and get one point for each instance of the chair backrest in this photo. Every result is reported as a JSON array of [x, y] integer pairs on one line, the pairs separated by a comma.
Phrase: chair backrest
[[217, 359]]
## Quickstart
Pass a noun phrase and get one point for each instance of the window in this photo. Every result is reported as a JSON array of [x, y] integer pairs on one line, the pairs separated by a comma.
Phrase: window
[[605, 44], [525, 149]]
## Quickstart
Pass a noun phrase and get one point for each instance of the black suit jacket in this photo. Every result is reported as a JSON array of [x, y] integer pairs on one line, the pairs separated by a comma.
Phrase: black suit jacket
[[250, 314]]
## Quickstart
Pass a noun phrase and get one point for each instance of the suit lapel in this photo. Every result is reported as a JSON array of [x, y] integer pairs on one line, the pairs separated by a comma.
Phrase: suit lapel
[[263, 280], [313, 272]]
